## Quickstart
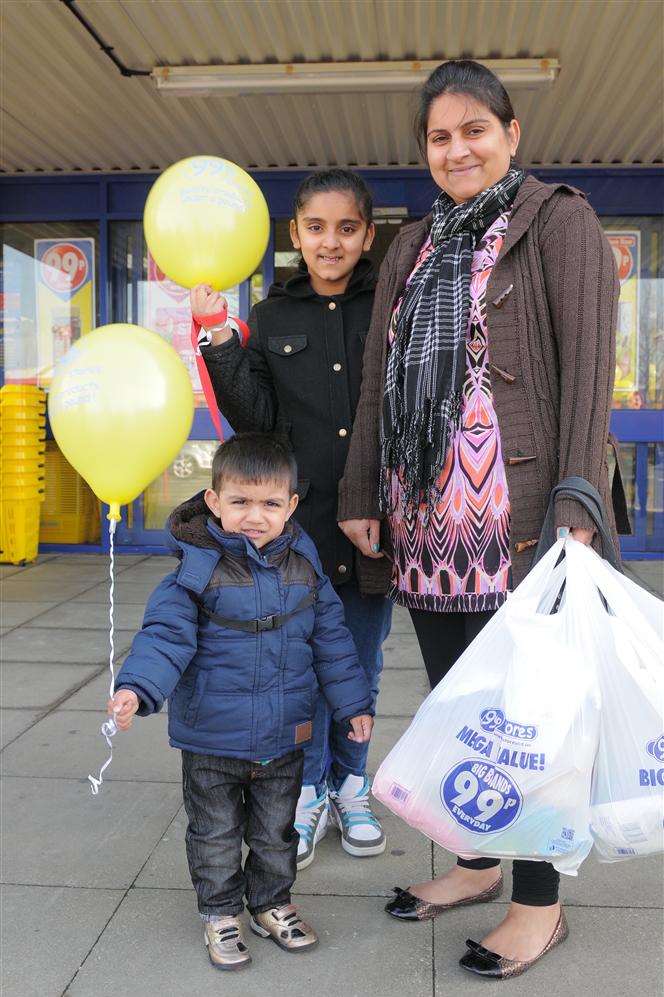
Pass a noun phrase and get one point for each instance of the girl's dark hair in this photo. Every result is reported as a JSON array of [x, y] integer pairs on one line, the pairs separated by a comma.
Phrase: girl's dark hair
[[254, 457], [338, 180], [462, 76]]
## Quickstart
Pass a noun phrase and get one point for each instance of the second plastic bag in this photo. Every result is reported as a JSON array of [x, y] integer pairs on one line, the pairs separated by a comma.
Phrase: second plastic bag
[[627, 798], [498, 759]]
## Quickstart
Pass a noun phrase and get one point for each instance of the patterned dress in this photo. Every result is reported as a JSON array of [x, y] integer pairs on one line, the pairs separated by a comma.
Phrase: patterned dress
[[460, 561]]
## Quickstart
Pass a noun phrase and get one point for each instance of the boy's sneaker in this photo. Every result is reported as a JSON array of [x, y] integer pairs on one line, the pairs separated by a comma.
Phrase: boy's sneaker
[[311, 819], [225, 944], [350, 809], [285, 927]]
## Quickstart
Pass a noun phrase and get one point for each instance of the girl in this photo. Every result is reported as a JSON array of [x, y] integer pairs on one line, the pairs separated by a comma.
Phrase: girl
[[300, 376]]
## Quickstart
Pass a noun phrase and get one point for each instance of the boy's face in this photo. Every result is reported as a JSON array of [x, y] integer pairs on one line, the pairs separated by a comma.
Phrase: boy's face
[[259, 510]]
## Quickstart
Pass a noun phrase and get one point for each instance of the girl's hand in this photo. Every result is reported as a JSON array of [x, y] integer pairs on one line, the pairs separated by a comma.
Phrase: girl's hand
[[365, 534], [582, 535], [122, 708], [204, 301], [362, 727]]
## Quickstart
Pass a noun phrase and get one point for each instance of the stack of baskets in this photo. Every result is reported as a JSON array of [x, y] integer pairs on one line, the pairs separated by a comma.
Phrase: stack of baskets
[[22, 446]]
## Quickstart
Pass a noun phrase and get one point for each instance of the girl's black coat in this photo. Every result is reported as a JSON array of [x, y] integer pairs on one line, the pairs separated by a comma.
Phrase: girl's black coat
[[300, 375]]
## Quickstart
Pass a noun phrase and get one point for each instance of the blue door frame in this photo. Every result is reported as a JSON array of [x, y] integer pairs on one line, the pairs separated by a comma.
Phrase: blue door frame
[[104, 198]]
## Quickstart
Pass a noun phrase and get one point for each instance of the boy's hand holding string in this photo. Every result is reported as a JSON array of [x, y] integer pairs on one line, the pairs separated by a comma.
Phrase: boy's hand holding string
[[122, 708]]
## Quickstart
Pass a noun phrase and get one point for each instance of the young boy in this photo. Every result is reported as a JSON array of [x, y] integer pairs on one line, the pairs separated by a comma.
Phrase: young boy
[[239, 638]]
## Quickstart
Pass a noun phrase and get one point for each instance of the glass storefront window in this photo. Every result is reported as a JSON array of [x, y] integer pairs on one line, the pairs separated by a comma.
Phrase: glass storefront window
[[48, 294], [189, 473], [638, 248], [143, 295]]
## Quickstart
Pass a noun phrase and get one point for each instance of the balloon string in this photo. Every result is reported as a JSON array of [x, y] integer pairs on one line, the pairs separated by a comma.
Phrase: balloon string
[[109, 728]]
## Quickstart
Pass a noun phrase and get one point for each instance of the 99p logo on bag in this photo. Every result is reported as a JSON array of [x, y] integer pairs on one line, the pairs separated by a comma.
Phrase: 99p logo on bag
[[480, 797]]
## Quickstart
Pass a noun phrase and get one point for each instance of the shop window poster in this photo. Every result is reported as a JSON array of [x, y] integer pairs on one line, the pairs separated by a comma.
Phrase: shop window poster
[[169, 314], [65, 283], [626, 246]]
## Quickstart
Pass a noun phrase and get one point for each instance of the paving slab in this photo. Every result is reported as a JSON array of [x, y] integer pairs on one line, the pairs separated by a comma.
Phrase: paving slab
[[360, 953], [402, 691], [94, 694], [56, 833], [62, 568], [402, 651], [14, 722], [66, 646], [126, 591], [333, 872], [23, 588], [91, 616], [122, 560], [152, 569], [38, 686], [9, 569], [13, 614], [401, 621], [650, 574], [610, 952], [67, 744], [38, 960]]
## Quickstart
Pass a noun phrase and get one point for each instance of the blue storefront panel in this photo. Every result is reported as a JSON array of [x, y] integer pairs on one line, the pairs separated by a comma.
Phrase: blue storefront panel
[[626, 199]]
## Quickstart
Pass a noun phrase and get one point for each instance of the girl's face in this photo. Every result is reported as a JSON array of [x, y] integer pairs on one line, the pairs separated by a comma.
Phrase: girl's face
[[331, 234], [468, 147]]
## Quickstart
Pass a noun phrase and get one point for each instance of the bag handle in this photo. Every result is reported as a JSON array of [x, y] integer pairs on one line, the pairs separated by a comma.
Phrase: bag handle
[[585, 494]]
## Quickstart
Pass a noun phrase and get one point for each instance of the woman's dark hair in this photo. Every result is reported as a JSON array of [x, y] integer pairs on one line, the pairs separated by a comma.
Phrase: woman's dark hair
[[340, 181], [256, 458], [462, 76]]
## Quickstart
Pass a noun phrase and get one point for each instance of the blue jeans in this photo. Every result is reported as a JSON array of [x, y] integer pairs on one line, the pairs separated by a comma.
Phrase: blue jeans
[[369, 619]]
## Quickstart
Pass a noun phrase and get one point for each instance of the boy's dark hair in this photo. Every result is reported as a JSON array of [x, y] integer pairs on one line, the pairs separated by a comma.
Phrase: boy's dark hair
[[338, 180], [467, 77], [254, 457]]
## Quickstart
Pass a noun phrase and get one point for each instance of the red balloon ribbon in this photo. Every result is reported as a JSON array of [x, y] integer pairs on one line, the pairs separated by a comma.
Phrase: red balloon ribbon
[[206, 383]]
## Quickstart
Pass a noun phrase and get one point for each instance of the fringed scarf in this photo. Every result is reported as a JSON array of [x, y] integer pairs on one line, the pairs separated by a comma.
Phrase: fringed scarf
[[426, 364]]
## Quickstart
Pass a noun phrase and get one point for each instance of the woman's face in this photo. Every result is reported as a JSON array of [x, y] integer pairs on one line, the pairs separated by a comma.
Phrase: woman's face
[[468, 147]]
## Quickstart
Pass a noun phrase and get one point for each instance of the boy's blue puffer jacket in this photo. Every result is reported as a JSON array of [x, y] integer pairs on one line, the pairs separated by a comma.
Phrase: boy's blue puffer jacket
[[233, 693]]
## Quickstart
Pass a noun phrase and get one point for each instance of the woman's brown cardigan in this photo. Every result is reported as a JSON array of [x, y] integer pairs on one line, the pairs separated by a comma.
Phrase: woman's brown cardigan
[[552, 302]]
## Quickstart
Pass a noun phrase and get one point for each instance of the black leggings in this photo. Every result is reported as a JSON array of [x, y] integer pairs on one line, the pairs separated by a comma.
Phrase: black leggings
[[443, 637]]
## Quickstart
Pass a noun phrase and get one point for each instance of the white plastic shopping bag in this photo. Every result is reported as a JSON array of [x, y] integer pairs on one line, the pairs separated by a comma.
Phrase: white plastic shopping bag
[[627, 799], [498, 759]]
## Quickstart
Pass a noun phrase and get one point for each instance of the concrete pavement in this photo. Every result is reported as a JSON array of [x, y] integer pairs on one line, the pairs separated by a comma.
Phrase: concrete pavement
[[96, 896]]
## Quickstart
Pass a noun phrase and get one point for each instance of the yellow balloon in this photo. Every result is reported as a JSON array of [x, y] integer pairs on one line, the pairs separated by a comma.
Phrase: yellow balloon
[[121, 407], [206, 222]]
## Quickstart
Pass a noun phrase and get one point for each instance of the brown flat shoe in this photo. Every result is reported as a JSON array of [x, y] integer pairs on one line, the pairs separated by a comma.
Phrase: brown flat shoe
[[483, 962], [407, 907]]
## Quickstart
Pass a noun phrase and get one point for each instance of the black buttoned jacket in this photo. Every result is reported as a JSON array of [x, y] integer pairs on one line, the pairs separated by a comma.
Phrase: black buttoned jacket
[[300, 375]]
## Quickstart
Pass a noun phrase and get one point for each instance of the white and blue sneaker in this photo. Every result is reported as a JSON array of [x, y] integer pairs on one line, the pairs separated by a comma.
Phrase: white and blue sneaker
[[311, 819], [350, 810]]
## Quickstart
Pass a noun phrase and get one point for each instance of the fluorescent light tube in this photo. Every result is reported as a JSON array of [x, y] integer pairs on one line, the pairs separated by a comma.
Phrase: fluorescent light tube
[[334, 77]]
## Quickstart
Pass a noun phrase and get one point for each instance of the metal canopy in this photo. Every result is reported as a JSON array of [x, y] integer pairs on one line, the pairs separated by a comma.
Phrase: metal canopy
[[67, 107]]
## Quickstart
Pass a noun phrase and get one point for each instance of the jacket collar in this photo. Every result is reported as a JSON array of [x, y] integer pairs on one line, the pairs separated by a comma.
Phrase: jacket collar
[[363, 278], [199, 541]]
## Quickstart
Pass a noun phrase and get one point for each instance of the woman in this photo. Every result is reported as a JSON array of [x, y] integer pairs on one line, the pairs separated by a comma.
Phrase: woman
[[487, 378]]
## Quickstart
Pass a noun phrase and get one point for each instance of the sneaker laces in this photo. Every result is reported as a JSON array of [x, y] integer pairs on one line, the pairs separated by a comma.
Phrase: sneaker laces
[[356, 809], [307, 816]]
